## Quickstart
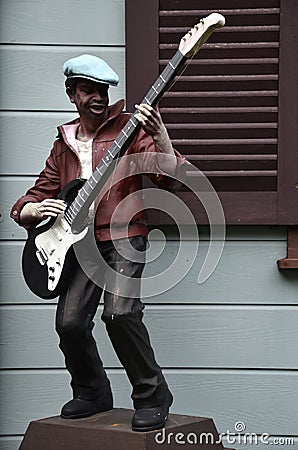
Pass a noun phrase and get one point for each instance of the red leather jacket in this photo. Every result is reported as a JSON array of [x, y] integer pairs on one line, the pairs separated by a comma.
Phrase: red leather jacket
[[63, 165]]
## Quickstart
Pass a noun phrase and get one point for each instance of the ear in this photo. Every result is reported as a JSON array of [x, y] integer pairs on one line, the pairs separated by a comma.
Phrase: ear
[[70, 93]]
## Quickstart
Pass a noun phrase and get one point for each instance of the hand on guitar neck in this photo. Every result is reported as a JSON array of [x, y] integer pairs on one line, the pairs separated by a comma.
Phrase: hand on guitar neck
[[41, 210], [152, 123]]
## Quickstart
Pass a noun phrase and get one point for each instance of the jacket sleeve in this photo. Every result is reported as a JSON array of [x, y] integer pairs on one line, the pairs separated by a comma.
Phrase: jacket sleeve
[[47, 185], [144, 146]]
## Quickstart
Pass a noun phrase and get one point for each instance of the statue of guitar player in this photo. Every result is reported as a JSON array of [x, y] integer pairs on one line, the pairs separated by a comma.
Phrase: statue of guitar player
[[79, 147]]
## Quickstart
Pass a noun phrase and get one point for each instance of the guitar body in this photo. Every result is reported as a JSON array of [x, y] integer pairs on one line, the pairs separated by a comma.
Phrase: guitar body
[[48, 254]]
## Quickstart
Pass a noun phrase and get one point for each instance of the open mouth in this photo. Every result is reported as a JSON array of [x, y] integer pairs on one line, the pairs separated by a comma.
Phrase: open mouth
[[98, 107]]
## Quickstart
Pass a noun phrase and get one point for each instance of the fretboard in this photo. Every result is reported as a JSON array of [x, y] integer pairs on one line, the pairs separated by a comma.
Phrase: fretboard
[[78, 209]]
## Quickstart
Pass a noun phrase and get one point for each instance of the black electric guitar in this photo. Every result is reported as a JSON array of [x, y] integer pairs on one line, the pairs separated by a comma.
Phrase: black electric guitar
[[47, 254]]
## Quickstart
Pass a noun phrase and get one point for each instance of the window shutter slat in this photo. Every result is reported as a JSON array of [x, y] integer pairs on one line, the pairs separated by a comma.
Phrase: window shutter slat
[[222, 112]]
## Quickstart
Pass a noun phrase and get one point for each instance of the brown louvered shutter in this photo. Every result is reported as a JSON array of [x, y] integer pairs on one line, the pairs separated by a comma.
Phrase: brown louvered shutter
[[233, 112]]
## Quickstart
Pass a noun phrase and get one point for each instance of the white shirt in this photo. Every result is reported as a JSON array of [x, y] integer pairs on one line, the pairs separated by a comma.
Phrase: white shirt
[[85, 155]]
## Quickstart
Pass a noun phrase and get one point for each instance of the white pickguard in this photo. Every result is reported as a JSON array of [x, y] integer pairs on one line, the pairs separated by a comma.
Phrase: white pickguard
[[52, 246]]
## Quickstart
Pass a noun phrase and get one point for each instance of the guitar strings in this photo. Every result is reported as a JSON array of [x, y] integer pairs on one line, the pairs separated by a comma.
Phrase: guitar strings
[[151, 97]]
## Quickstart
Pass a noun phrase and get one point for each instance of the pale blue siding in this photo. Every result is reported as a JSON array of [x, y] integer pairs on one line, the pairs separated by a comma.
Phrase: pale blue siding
[[229, 347]]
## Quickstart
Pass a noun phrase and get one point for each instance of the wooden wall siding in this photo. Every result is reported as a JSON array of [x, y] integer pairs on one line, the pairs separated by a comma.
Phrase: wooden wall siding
[[27, 344], [246, 274], [26, 156], [251, 396], [229, 346], [37, 71], [63, 23], [225, 110]]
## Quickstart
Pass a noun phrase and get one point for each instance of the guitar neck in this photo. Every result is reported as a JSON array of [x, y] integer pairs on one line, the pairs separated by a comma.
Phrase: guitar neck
[[78, 210]]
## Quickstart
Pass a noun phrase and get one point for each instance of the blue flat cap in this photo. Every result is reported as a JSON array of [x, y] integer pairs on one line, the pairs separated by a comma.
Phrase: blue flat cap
[[92, 68]]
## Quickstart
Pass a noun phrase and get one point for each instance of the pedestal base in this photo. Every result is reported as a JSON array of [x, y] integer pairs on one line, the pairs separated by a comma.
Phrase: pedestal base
[[112, 431]]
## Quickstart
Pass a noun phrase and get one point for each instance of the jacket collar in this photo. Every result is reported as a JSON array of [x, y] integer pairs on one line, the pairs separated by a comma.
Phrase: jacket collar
[[68, 130]]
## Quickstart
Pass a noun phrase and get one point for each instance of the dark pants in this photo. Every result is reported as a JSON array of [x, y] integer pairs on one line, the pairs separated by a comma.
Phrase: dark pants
[[123, 319]]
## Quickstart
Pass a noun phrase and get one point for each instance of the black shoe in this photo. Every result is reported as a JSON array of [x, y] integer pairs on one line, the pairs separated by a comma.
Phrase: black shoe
[[150, 419], [78, 408]]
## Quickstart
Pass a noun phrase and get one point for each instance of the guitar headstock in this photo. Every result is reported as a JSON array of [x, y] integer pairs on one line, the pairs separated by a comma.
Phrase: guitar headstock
[[195, 38]]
